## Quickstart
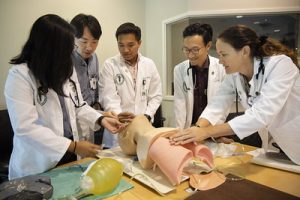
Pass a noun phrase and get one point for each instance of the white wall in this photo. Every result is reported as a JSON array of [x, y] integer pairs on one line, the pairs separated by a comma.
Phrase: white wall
[[159, 10], [17, 17]]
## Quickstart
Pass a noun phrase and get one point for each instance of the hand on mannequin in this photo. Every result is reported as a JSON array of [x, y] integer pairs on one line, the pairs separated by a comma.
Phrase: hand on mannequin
[[202, 122], [197, 134], [112, 124], [126, 117], [193, 134]]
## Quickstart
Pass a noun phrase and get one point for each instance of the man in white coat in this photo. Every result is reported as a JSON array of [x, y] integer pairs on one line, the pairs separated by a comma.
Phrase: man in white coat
[[265, 75], [129, 82], [197, 79]]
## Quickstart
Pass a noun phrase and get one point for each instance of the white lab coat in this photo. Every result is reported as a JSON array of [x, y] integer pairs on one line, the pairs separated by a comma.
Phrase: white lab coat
[[184, 93], [39, 141], [117, 91], [276, 108]]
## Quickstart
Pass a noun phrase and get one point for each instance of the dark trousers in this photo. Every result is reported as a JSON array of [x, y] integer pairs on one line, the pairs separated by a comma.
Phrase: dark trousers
[[98, 136], [68, 157], [253, 140]]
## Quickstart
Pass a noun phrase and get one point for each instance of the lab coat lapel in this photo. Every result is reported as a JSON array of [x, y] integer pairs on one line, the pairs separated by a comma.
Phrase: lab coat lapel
[[188, 79], [125, 71], [139, 83], [213, 80]]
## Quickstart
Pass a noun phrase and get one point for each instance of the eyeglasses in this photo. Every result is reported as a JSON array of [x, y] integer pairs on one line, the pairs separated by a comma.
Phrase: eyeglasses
[[84, 43], [193, 50]]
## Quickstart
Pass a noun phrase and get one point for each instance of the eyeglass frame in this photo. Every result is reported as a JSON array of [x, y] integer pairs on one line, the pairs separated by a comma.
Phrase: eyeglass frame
[[193, 50]]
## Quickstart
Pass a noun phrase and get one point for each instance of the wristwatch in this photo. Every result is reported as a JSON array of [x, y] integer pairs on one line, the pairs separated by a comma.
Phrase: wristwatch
[[100, 120]]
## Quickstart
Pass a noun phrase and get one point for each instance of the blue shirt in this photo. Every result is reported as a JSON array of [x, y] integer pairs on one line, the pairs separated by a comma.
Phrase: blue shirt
[[88, 76], [67, 126]]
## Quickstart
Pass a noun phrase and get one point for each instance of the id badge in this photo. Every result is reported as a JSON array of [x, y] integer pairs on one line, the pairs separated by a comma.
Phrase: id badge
[[144, 95], [93, 83]]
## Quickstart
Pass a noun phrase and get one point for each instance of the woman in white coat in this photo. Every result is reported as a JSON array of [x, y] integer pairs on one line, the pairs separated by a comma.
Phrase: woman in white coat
[[265, 75], [44, 101], [197, 79]]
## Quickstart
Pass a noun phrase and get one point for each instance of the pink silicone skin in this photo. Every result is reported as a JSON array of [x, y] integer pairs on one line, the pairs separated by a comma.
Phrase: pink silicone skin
[[172, 159]]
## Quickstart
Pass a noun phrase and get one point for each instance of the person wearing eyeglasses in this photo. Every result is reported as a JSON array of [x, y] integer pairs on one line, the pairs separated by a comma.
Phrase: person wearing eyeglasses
[[196, 79], [129, 82], [44, 102], [87, 34], [265, 75]]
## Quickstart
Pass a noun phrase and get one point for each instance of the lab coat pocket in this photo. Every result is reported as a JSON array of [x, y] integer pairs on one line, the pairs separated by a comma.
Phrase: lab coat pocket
[[289, 129], [286, 135]]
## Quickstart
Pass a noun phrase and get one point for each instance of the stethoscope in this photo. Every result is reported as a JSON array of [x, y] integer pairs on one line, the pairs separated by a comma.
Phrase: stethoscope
[[42, 95], [261, 70], [185, 87], [74, 95], [257, 85]]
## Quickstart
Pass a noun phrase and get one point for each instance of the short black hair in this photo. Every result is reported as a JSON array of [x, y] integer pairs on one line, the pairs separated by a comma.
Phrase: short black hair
[[204, 30], [128, 28], [81, 20], [48, 50]]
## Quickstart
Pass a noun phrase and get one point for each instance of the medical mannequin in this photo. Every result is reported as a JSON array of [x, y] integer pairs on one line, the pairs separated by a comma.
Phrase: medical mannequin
[[44, 102], [152, 147], [129, 82], [265, 75]]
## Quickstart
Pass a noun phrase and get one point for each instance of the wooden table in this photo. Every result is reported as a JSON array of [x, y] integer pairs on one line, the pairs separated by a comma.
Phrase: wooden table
[[240, 165]]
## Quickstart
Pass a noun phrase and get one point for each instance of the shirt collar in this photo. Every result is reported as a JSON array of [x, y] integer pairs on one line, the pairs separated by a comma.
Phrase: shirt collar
[[205, 65], [82, 61], [124, 61]]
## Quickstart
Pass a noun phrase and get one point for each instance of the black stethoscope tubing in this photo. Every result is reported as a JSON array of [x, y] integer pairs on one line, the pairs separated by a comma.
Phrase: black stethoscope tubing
[[43, 92]]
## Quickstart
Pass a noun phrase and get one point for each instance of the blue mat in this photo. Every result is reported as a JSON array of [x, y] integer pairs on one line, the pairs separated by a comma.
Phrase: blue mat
[[66, 183]]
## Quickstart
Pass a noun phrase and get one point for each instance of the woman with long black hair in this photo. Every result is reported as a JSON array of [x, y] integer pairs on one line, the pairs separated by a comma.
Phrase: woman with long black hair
[[45, 104]]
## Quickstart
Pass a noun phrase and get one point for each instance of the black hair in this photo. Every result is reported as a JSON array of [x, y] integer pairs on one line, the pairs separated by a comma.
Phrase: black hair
[[47, 52], [204, 30], [128, 28], [239, 36], [81, 20]]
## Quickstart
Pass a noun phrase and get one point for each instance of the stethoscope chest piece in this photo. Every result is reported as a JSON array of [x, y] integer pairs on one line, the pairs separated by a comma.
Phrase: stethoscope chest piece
[[42, 95], [185, 87]]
